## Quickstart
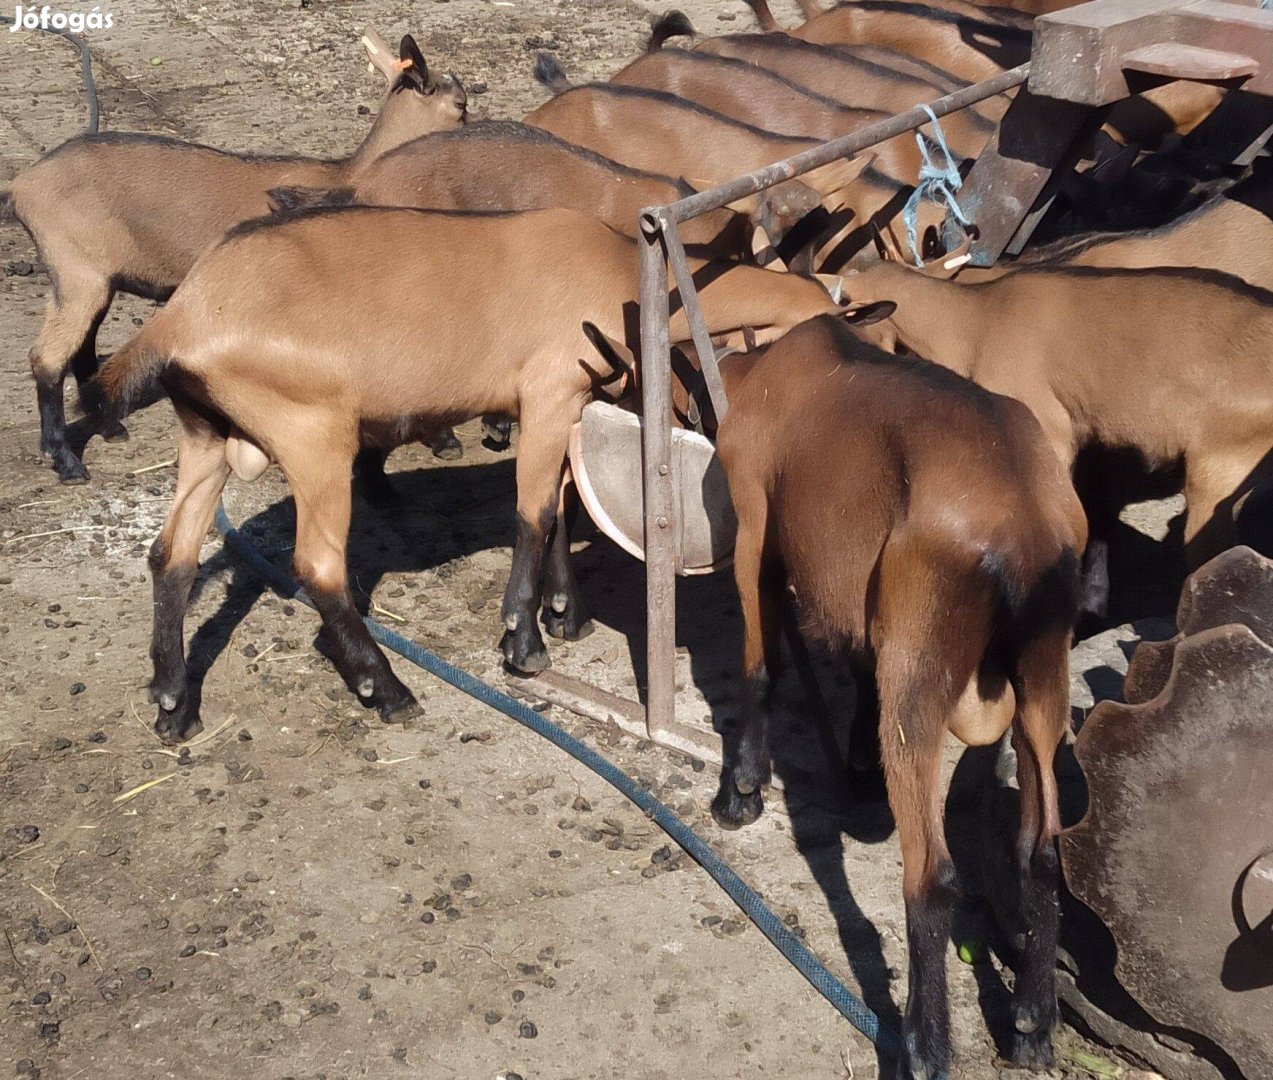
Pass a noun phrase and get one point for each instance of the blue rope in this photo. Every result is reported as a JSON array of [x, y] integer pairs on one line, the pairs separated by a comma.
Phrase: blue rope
[[86, 70], [849, 1006], [936, 182]]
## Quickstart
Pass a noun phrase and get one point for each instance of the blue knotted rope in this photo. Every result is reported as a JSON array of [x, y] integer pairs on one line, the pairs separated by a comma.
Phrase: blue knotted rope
[[936, 182]]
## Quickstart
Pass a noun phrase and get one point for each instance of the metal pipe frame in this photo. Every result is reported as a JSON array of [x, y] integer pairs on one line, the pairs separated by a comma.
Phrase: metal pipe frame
[[659, 245]]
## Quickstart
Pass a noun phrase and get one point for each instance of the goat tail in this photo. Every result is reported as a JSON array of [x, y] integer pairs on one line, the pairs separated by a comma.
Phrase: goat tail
[[551, 74], [134, 369], [7, 212], [764, 16], [669, 25]]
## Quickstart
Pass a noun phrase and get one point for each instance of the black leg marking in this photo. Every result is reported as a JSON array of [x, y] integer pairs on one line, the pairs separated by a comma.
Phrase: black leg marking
[[564, 615], [497, 432], [361, 664], [926, 1024], [866, 771], [1034, 1008], [376, 487], [53, 445], [746, 770], [445, 446], [522, 644], [178, 717]]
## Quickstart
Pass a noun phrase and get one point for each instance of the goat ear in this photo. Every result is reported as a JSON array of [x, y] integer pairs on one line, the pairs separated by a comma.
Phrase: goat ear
[[380, 56], [617, 355], [837, 175], [763, 251], [865, 314], [412, 65]]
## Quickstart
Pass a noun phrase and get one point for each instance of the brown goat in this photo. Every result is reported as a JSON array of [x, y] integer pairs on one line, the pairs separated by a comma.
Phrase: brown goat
[[1170, 363], [660, 132], [298, 341], [765, 99], [1231, 233], [976, 43], [970, 42], [925, 525], [505, 165], [120, 212], [868, 77]]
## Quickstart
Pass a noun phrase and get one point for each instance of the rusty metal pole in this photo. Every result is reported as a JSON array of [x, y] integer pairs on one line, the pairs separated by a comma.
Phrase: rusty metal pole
[[656, 446]]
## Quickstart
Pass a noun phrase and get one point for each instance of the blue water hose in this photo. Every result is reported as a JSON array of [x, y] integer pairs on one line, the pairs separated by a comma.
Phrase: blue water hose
[[845, 1001], [852, 1008], [86, 70]]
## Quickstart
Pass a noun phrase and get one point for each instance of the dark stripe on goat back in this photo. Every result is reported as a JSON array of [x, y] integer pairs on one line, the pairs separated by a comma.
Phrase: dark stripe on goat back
[[516, 131], [1196, 274], [166, 142], [923, 11], [281, 220], [663, 97], [723, 64]]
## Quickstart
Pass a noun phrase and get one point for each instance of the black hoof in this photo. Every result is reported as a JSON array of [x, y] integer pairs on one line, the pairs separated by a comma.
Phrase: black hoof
[[524, 654], [447, 447], [69, 468], [115, 434], [497, 433], [179, 723], [1033, 1050], [732, 810], [399, 711], [567, 627]]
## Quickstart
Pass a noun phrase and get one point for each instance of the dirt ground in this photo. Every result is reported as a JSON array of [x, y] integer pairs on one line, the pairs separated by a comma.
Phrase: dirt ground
[[308, 892]]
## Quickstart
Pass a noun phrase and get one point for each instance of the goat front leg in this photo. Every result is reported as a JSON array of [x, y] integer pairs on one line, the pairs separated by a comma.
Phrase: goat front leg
[[564, 615], [757, 571], [174, 560]]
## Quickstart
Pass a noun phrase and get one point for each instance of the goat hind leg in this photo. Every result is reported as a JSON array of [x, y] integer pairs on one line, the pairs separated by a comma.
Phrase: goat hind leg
[[174, 560], [747, 755], [913, 706], [1037, 731], [69, 328], [318, 473]]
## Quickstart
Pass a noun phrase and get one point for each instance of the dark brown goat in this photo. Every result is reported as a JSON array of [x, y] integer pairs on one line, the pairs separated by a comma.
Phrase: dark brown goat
[[925, 525], [298, 341], [120, 212]]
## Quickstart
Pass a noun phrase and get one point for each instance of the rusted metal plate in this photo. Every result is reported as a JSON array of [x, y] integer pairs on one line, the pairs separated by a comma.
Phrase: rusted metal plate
[[605, 457], [1172, 850], [1235, 587]]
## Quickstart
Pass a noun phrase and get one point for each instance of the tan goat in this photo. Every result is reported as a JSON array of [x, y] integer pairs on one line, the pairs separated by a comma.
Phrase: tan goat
[[297, 342], [120, 212], [1172, 363]]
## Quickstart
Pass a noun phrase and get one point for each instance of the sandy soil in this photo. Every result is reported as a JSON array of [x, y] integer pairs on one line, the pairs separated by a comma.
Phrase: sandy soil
[[308, 892]]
